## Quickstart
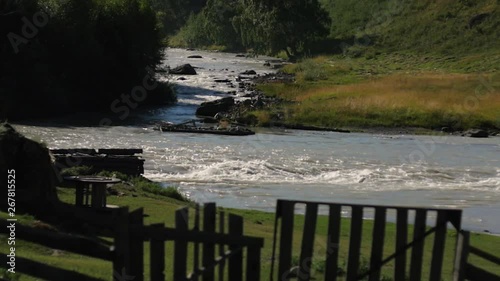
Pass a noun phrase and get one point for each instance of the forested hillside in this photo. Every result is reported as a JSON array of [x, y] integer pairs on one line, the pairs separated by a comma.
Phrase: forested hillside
[[332, 26]]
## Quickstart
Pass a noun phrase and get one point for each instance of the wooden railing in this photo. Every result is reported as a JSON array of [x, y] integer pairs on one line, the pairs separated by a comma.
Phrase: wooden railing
[[285, 213], [231, 248], [111, 222], [126, 251], [464, 270]]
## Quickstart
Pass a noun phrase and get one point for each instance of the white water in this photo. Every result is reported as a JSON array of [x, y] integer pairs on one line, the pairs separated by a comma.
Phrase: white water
[[253, 171]]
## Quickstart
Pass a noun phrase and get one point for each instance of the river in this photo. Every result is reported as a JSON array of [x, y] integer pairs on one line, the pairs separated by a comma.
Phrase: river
[[253, 171]]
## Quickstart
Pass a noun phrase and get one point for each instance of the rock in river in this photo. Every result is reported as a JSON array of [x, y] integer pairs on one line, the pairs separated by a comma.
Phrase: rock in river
[[477, 133], [195, 57], [185, 69], [212, 108], [249, 72]]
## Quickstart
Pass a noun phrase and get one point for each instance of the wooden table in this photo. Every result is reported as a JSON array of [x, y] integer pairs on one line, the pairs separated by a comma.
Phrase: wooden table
[[91, 190]]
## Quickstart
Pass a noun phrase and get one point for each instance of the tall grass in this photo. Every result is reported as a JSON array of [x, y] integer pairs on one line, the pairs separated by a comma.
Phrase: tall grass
[[428, 100]]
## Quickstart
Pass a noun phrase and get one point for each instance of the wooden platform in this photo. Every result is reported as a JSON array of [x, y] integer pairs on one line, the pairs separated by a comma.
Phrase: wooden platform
[[119, 160]]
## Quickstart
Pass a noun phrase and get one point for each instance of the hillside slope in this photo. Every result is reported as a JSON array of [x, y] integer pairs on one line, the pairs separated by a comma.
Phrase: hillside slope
[[444, 27]]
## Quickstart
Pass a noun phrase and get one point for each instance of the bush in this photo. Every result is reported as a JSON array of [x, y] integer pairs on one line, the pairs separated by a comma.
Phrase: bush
[[83, 58]]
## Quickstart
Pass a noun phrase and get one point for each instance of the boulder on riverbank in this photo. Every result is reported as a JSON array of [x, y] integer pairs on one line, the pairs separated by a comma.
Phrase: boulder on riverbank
[[210, 109], [249, 72], [477, 133], [29, 170], [185, 69]]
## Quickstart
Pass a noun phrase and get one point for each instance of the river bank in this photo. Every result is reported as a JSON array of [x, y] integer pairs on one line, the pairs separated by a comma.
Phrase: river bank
[[276, 100]]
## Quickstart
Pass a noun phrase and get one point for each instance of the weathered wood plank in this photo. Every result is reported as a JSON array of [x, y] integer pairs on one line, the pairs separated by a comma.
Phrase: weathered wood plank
[[157, 257], [333, 243], [168, 233], [120, 151], [79, 194], [121, 263], [236, 261], [196, 248], [209, 216], [484, 255], [253, 264], [136, 218], [180, 245], [401, 241], [474, 273], [438, 247], [286, 233], [418, 248], [89, 151], [222, 264], [378, 238], [306, 252], [354, 243]]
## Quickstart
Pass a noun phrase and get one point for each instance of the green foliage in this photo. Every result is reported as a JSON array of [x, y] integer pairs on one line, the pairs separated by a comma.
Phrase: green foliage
[[157, 189], [291, 26], [83, 56], [443, 27], [77, 171]]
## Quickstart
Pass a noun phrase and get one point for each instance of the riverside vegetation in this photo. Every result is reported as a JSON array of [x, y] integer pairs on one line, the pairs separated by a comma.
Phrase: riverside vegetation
[[257, 223], [386, 63]]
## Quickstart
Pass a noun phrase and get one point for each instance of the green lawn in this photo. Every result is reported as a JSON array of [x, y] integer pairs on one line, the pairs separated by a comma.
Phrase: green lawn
[[256, 223]]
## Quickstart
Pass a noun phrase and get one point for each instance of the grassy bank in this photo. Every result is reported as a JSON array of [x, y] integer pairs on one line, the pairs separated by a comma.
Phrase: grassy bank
[[161, 209], [394, 90]]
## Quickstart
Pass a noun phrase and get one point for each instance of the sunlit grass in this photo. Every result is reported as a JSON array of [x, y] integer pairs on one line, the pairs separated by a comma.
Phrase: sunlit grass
[[417, 99]]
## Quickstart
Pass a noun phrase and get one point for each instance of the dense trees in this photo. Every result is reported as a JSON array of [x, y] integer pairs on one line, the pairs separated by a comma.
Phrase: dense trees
[[288, 25], [66, 55], [261, 25]]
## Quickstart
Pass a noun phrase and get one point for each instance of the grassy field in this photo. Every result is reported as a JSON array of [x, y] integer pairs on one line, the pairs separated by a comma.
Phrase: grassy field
[[261, 224], [388, 91]]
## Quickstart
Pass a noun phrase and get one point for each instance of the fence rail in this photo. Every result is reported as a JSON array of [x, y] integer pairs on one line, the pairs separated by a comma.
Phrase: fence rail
[[285, 214], [126, 252], [231, 247], [464, 270]]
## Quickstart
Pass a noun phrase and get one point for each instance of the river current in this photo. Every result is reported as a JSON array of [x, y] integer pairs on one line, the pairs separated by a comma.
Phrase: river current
[[254, 171]]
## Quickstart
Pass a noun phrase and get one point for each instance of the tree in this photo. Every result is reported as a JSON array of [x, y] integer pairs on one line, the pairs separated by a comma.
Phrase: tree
[[288, 25]]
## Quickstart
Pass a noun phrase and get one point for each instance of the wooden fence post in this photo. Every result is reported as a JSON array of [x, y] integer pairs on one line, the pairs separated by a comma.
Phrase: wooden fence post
[[236, 260], [333, 243], [209, 216], [286, 212], [157, 256], [180, 247], [121, 262], [461, 255], [222, 264], [307, 246], [136, 218], [418, 249], [354, 243]]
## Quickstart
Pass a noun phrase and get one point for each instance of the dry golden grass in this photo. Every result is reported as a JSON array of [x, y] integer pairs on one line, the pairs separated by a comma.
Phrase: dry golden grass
[[405, 100]]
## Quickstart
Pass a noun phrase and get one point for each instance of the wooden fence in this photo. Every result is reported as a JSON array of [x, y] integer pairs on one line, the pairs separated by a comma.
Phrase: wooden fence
[[204, 242], [126, 252], [285, 216], [464, 270], [110, 221]]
